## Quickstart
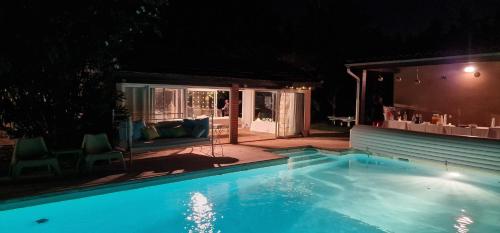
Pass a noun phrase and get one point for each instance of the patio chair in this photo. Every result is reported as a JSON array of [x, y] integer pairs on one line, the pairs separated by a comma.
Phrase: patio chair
[[96, 147], [32, 152]]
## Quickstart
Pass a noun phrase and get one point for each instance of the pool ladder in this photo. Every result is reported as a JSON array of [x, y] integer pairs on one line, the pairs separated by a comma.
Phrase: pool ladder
[[368, 152]]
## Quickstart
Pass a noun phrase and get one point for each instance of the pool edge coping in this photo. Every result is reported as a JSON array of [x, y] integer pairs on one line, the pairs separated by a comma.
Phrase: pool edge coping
[[82, 192]]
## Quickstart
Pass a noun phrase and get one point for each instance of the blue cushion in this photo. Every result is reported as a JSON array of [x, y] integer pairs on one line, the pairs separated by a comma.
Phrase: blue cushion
[[137, 127], [189, 124], [202, 124], [175, 132], [198, 131], [205, 124]]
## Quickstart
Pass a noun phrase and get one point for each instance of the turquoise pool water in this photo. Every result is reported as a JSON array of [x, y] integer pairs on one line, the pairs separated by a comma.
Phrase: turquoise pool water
[[315, 192]]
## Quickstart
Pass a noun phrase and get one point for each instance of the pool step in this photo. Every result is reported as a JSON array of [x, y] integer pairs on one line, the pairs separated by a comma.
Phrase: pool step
[[293, 154], [305, 157], [311, 162]]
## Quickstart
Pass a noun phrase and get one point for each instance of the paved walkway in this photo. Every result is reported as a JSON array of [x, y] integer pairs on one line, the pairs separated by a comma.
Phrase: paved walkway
[[168, 162]]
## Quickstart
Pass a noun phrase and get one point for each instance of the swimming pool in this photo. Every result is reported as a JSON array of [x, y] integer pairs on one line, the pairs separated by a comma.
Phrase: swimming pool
[[314, 192]]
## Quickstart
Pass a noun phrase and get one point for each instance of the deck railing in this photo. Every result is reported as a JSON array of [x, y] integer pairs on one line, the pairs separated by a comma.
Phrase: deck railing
[[448, 150]]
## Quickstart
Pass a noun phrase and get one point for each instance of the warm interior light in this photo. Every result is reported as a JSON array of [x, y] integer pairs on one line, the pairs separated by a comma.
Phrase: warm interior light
[[470, 69]]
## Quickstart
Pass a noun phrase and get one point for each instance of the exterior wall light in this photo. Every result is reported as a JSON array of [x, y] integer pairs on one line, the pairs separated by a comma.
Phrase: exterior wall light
[[470, 69], [380, 78], [418, 81]]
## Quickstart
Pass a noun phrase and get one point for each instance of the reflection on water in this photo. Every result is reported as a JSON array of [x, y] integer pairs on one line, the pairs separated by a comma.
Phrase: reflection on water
[[462, 223], [201, 215]]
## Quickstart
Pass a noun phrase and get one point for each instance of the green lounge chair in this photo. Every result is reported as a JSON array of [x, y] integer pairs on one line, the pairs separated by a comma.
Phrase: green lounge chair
[[32, 152], [96, 147]]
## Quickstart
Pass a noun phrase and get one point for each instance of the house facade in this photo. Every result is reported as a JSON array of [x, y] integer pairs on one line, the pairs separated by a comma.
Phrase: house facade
[[441, 110], [464, 87], [271, 106]]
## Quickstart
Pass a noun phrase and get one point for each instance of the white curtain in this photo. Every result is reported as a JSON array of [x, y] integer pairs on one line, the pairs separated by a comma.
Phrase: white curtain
[[291, 114], [287, 125], [299, 113], [247, 106]]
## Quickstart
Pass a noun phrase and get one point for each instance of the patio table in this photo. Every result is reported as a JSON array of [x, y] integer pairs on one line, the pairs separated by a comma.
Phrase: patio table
[[219, 131], [347, 120]]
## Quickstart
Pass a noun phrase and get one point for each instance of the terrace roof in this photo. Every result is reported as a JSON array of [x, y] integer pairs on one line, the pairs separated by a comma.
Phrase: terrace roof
[[420, 61], [208, 80]]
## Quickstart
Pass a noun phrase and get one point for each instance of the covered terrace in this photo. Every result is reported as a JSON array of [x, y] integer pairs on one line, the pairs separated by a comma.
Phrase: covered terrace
[[444, 108]]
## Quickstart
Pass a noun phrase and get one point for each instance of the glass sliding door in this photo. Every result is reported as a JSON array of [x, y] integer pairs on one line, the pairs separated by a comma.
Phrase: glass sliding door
[[264, 112], [222, 98], [200, 103], [167, 104], [264, 106], [136, 102], [153, 104]]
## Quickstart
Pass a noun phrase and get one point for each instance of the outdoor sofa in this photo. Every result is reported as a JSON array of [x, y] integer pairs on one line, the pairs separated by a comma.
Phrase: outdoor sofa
[[144, 137]]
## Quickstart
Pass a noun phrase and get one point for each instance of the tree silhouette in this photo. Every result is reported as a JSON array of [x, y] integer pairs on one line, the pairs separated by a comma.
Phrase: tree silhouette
[[57, 60]]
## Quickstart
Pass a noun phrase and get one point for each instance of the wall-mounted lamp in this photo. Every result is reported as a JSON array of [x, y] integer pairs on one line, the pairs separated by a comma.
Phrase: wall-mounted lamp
[[470, 69], [399, 78], [418, 81], [380, 78]]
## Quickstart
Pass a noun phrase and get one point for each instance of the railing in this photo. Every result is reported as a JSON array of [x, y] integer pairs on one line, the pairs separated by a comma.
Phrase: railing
[[156, 117], [448, 150], [163, 116]]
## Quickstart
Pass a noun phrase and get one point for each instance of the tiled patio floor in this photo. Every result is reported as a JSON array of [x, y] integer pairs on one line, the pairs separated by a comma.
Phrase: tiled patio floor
[[168, 162]]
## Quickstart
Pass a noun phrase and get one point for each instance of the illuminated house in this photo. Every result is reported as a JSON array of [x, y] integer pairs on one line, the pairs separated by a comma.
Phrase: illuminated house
[[443, 109], [463, 86], [275, 104]]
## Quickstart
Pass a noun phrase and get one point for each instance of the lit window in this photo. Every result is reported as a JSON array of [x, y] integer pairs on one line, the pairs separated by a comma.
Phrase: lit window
[[264, 106]]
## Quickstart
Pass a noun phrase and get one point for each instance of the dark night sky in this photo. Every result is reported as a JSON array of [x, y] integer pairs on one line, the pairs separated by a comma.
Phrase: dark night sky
[[320, 36], [311, 25], [412, 17], [315, 36]]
